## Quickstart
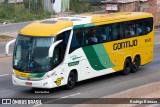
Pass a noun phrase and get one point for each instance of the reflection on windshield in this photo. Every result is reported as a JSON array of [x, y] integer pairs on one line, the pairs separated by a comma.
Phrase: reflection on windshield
[[31, 53]]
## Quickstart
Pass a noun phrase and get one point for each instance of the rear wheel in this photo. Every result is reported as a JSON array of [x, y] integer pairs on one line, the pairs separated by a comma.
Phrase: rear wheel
[[135, 65], [127, 67], [71, 81]]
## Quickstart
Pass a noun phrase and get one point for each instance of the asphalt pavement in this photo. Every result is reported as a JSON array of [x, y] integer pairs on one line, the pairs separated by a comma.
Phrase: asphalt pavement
[[14, 27]]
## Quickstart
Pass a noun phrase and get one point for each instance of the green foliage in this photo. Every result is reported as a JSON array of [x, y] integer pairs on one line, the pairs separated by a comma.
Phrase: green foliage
[[30, 10], [80, 7], [4, 37]]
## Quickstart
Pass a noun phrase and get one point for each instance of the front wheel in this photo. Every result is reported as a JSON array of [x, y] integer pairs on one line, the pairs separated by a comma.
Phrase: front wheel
[[127, 67], [71, 81]]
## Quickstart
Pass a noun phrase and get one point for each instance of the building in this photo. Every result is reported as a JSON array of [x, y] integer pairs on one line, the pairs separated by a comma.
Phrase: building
[[57, 6], [150, 6], [124, 5]]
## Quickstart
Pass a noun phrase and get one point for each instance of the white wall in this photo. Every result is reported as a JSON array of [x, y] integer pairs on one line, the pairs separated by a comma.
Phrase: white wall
[[57, 6]]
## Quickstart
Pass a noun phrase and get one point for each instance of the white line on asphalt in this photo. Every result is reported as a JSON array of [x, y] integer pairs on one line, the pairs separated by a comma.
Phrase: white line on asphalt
[[157, 43], [71, 95], [37, 105], [4, 75], [58, 99], [9, 90]]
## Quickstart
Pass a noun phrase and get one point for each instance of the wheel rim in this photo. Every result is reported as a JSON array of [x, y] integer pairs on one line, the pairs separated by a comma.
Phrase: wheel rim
[[136, 64], [71, 80], [128, 67]]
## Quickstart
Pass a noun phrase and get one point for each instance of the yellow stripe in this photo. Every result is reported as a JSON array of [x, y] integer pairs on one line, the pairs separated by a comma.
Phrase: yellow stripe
[[21, 74]]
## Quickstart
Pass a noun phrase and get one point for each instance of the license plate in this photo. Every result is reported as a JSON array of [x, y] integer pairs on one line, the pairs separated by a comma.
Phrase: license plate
[[28, 83]]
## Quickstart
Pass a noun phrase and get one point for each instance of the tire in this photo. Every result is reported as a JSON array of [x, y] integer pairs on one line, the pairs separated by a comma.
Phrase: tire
[[127, 67], [71, 81], [135, 65]]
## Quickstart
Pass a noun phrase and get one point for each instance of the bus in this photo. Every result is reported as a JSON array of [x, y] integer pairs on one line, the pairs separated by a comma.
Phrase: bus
[[62, 51]]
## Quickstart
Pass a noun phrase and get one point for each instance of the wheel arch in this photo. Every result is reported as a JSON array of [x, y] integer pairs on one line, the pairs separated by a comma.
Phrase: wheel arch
[[139, 57], [75, 72]]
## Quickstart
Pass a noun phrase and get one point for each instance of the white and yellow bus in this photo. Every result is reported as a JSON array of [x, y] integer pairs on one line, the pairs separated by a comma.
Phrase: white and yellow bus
[[62, 51]]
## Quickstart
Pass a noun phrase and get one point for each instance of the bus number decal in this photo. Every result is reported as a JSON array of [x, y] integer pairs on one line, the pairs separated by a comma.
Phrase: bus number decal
[[148, 40]]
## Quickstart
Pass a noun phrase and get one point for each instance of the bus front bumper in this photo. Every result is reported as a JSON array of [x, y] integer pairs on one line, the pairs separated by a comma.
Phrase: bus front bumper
[[46, 83]]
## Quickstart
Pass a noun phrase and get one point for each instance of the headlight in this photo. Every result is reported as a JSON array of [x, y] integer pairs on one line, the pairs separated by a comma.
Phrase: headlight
[[48, 75]]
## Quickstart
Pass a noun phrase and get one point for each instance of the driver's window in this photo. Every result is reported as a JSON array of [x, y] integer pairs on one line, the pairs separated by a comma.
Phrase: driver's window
[[60, 50]]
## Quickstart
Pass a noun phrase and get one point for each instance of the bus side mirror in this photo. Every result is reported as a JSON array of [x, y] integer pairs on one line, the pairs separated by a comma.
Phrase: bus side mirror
[[51, 49], [8, 44]]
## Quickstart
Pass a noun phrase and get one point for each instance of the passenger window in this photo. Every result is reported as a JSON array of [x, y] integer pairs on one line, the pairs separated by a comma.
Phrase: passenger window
[[114, 32], [117, 31], [91, 36], [86, 33], [148, 25], [140, 28], [129, 29], [104, 33]]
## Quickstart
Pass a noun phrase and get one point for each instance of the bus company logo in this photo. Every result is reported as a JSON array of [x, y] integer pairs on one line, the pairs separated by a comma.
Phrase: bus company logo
[[126, 44], [58, 81], [6, 101]]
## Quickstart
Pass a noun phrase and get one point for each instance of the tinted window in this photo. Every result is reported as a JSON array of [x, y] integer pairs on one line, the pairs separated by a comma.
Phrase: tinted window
[[92, 37], [140, 30], [104, 33], [77, 39], [60, 49], [148, 25], [129, 29], [117, 31]]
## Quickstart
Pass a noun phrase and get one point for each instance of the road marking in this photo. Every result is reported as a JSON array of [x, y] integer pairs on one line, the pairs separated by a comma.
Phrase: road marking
[[58, 99], [37, 105], [9, 90], [4, 75], [71, 95], [157, 43]]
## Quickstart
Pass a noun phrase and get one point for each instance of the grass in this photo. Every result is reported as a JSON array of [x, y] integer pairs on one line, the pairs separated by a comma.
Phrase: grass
[[5, 37], [11, 14], [81, 7]]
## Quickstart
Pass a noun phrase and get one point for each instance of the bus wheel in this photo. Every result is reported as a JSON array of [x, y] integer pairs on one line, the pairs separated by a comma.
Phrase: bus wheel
[[135, 65], [127, 67], [71, 81]]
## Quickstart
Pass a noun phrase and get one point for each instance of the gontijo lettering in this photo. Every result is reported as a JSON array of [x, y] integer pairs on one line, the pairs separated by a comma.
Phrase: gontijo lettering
[[126, 44]]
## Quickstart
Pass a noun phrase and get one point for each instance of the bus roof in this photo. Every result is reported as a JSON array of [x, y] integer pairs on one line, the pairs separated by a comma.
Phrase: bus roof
[[53, 26]]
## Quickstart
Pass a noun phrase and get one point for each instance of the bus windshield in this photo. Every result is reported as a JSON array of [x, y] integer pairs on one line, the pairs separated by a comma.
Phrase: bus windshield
[[31, 54]]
